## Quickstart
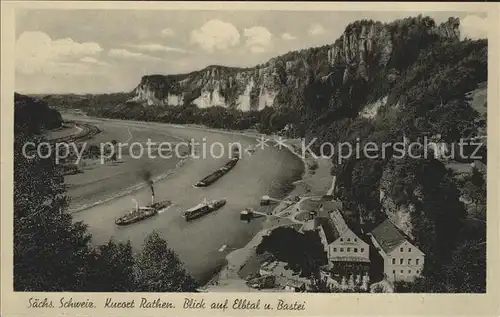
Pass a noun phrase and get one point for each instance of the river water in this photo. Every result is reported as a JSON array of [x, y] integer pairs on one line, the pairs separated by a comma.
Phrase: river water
[[269, 171]]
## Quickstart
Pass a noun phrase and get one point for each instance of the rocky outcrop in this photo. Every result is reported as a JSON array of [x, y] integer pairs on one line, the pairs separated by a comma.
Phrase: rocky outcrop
[[400, 215], [239, 88], [365, 50], [450, 28], [358, 45], [371, 110], [365, 47]]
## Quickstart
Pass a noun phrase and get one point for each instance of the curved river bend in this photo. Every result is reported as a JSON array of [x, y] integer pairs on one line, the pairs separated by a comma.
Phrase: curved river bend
[[197, 243]]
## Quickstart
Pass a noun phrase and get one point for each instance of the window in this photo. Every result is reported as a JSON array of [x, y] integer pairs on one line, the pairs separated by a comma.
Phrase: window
[[348, 249], [355, 249], [416, 261], [341, 239], [362, 249], [355, 240], [334, 249], [401, 250], [418, 271], [409, 261], [401, 271], [393, 261], [409, 271], [393, 271], [409, 249], [348, 239], [341, 249], [401, 262]]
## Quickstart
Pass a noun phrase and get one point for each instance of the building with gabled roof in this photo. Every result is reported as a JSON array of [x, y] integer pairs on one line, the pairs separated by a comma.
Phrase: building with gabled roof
[[342, 245], [403, 260]]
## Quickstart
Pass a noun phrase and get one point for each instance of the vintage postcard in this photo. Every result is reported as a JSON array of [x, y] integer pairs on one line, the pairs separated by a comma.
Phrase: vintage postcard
[[249, 159]]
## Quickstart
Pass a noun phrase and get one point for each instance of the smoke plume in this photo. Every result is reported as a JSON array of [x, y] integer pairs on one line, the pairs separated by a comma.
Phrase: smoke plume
[[147, 176]]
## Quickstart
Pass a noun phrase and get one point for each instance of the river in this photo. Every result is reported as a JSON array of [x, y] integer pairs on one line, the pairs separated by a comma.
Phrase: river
[[269, 171]]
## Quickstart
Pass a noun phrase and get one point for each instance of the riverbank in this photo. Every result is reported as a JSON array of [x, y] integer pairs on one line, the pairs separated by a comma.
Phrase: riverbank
[[316, 180], [101, 182], [270, 171]]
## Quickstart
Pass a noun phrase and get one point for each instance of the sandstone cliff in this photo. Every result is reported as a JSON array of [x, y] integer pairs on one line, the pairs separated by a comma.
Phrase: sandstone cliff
[[365, 50], [240, 88]]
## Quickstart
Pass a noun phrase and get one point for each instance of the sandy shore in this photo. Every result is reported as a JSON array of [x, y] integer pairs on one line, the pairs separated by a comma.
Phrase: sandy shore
[[316, 180]]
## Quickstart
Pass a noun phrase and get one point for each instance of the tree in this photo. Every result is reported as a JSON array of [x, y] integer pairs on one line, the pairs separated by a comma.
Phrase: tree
[[111, 268], [51, 253], [306, 256], [467, 270], [474, 188], [158, 268], [465, 273], [439, 215], [50, 250]]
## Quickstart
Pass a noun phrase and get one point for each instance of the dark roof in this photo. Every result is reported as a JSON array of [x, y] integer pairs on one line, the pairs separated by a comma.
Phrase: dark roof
[[331, 232], [388, 236]]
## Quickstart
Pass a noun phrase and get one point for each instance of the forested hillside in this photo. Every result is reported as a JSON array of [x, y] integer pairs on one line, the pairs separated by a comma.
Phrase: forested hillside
[[421, 92], [313, 89], [381, 83], [33, 116]]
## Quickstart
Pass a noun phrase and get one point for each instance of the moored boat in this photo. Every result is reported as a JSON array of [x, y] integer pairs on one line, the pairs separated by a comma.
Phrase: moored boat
[[246, 214], [203, 208]]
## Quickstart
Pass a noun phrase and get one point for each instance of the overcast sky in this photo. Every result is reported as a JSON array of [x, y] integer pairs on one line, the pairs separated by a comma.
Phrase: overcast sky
[[96, 51]]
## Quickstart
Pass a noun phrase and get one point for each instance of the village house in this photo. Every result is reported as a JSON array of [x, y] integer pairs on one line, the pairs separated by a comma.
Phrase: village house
[[403, 261], [348, 255]]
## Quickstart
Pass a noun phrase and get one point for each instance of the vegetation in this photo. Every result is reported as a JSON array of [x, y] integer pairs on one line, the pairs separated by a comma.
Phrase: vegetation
[[421, 103], [53, 253], [422, 75], [473, 188], [50, 251], [159, 268], [306, 256], [32, 116], [465, 273]]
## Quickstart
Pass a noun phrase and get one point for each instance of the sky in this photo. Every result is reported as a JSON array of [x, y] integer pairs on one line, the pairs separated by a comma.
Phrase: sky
[[103, 51]]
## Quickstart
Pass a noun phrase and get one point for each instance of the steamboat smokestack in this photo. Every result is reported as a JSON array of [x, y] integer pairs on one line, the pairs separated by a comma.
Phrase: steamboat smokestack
[[147, 177], [152, 193], [136, 205]]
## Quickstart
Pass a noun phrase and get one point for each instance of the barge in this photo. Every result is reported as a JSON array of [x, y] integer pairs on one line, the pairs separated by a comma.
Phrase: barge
[[212, 178]]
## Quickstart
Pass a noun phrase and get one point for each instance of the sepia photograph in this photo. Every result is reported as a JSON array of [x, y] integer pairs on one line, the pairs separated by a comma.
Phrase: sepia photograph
[[247, 151]]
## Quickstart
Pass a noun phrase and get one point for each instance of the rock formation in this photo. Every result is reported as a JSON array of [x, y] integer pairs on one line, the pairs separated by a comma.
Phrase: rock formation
[[362, 51]]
